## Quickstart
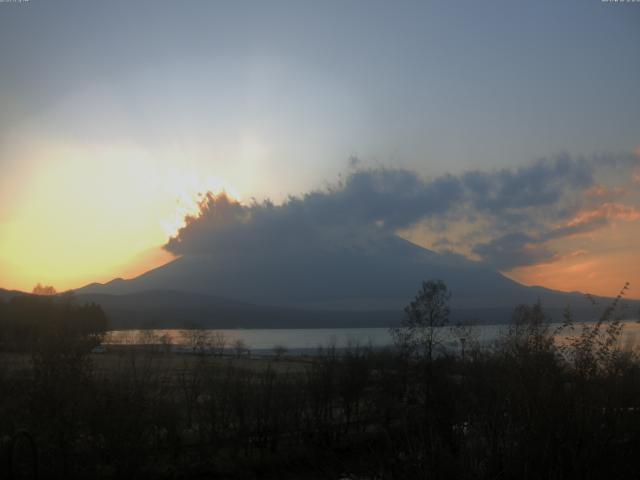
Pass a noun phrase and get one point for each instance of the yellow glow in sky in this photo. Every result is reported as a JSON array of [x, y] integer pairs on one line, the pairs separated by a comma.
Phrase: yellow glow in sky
[[73, 215], [92, 214]]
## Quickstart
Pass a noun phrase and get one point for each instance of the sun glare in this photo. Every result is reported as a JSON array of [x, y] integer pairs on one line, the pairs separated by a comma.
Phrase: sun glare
[[128, 202], [188, 189]]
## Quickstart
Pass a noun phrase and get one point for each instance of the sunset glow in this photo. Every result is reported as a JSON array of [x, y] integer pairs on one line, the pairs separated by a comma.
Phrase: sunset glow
[[602, 268], [115, 201], [319, 239], [474, 147]]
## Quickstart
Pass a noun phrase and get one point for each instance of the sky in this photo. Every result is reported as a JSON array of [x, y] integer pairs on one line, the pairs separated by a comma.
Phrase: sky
[[517, 123]]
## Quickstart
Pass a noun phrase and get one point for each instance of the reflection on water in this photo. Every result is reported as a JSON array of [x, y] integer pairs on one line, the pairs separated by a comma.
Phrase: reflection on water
[[312, 338]]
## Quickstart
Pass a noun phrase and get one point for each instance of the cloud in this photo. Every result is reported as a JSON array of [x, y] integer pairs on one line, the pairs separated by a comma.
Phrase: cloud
[[513, 249], [519, 249], [516, 212], [375, 202], [608, 211], [541, 183], [218, 215], [605, 193], [590, 219]]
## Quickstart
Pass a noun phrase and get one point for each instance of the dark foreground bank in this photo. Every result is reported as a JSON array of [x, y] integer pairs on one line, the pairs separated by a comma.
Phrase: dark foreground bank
[[523, 411], [527, 408]]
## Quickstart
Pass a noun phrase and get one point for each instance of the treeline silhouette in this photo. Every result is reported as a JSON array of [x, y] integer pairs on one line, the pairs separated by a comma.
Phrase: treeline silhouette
[[530, 406], [29, 322]]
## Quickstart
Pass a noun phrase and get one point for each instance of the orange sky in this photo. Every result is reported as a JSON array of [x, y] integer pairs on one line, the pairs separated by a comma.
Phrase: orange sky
[[109, 128], [75, 222], [601, 259], [599, 263]]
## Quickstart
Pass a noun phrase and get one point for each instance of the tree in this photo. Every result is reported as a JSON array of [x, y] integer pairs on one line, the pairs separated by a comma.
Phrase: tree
[[218, 343], [596, 349], [279, 351], [240, 347], [420, 329], [529, 332], [199, 340], [53, 323], [166, 342], [40, 289]]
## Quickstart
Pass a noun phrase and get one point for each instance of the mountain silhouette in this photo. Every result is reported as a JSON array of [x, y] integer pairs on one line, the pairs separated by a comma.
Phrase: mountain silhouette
[[365, 284]]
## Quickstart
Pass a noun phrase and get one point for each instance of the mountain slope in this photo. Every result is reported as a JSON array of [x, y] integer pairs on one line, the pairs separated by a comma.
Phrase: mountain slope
[[374, 280]]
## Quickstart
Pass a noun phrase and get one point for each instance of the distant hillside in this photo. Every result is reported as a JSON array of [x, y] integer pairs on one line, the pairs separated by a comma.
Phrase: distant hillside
[[172, 309], [175, 309], [7, 294]]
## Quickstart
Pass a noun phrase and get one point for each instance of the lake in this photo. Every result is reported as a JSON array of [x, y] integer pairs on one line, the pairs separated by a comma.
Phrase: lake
[[309, 339]]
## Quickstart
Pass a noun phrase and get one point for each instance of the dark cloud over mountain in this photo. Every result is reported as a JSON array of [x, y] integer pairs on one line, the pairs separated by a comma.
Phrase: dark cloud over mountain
[[520, 209]]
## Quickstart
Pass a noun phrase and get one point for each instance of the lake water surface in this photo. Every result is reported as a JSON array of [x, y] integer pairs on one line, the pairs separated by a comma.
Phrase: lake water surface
[[309, 339]]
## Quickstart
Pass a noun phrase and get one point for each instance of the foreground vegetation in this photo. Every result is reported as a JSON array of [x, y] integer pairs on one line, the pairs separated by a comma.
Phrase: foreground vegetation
[[529, 407]]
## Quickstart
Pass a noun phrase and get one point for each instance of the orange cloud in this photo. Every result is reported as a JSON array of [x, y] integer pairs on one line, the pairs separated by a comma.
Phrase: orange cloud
[[597, 273], [600, 191], [599, 264], [606, 211], [596, 191]]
